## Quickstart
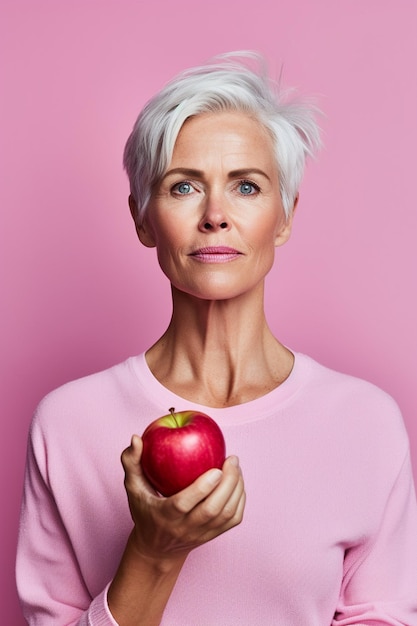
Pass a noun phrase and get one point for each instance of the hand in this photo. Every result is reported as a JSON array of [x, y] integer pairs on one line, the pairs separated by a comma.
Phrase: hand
[[166, 528]]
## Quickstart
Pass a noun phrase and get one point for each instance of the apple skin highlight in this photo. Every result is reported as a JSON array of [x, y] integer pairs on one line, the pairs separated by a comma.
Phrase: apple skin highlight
[[178, 448]]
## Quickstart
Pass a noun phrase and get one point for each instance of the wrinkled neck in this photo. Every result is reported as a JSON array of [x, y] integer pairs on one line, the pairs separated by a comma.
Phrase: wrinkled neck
[[219, 352]]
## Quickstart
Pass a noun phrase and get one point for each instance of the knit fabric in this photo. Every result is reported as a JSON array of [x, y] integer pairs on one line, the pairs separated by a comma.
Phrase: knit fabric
[[329, 534]]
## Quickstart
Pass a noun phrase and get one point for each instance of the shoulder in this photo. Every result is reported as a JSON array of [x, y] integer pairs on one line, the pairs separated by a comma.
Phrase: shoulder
[[86, 396], [354, 404], [338, 386]]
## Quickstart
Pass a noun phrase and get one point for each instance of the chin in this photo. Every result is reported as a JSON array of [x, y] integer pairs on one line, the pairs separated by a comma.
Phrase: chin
[[219, 291]]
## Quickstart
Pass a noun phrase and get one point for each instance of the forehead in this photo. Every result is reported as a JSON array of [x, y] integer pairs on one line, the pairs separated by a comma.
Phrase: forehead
[[225, 133]]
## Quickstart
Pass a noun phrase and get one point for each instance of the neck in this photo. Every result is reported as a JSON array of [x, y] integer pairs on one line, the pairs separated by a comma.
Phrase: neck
[[219, 353]]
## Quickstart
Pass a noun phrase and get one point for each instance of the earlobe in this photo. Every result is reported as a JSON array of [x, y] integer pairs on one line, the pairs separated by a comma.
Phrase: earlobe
[[133, 207], [142, 230], [145, 235], [297, 197], [284, 232]]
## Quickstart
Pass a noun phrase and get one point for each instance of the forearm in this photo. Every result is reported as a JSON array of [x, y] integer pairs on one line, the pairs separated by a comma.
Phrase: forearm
[[165, 531], [142, 587]]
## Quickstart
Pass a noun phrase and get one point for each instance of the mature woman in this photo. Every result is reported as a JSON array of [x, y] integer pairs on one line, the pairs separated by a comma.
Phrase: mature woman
[[323, 530]]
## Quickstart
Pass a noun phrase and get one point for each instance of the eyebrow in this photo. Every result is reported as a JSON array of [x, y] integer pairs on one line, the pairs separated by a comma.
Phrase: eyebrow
[[241, 173]]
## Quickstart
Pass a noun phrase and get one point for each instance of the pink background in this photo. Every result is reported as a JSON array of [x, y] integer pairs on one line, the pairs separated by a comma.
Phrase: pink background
[[78, 292]]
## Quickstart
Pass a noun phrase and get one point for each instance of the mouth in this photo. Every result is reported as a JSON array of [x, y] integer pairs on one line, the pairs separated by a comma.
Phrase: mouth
[[215, 254]]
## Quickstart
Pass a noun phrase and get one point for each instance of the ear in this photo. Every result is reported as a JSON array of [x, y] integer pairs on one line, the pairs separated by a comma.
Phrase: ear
[[143, 231], [284, 232]]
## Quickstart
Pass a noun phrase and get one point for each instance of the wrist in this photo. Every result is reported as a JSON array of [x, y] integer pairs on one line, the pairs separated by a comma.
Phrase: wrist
[[158, 563]]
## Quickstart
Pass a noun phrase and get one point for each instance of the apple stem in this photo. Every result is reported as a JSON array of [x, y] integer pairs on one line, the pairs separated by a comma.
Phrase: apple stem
[[172, 411]]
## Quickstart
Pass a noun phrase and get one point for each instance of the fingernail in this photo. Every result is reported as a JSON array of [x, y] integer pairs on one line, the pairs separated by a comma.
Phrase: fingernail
[[234, 461], [214, 476]]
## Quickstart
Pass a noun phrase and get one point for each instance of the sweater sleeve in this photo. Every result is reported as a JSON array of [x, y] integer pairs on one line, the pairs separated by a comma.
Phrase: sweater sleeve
[[50, 586], [380, 581]]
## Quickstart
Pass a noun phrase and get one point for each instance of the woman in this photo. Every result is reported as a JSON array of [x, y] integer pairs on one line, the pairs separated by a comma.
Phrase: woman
[[323, 530]]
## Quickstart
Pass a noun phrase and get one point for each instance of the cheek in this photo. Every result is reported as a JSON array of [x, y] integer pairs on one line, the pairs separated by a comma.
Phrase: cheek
[[169, 242], [165, 233], [266, 232]]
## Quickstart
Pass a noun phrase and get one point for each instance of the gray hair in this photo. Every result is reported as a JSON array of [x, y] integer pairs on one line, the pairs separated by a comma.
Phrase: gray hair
[[225, 84]]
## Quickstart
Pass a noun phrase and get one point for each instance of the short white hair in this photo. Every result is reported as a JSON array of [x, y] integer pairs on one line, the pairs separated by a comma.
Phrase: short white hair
[[227, 83]]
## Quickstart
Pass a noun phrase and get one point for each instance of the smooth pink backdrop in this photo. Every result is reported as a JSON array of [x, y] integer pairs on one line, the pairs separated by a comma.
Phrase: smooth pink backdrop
[[78, 293]]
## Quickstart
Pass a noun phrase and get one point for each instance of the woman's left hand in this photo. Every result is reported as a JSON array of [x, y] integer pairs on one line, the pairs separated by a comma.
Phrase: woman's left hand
[[164, 527]]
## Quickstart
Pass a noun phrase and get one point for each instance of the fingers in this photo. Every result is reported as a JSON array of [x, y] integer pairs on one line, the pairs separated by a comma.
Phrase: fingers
[[223, 504], [187, 499], [208, 507], [226, 485], [202, 487]]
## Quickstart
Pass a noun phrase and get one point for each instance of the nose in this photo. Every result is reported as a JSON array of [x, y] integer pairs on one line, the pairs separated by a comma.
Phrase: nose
[[214, 217], [212, 226]]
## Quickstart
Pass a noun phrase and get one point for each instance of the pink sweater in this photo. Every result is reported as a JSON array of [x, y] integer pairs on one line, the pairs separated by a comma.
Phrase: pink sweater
[[329, 535]]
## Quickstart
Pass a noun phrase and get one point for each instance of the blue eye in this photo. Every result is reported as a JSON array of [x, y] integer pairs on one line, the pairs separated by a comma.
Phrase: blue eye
[[247, 189], [183, 188]]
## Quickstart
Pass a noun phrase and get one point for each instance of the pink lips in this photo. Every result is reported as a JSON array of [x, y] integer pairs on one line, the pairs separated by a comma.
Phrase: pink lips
[[215, 254]]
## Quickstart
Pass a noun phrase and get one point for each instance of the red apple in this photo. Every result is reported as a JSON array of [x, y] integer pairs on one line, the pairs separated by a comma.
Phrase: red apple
[[178, 448]]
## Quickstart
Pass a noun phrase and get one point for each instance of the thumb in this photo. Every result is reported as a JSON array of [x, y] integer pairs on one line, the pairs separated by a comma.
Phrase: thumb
[[136, 447], [131, 456], [135, 479]]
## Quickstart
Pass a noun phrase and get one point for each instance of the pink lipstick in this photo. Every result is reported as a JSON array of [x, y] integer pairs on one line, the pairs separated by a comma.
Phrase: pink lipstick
[[215, 254]]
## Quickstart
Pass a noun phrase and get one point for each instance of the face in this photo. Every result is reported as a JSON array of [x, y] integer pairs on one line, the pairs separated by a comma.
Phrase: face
[[217, 215]]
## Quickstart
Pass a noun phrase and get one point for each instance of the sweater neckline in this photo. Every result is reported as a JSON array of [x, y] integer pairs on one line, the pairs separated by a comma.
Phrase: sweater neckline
[[252, 410]]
